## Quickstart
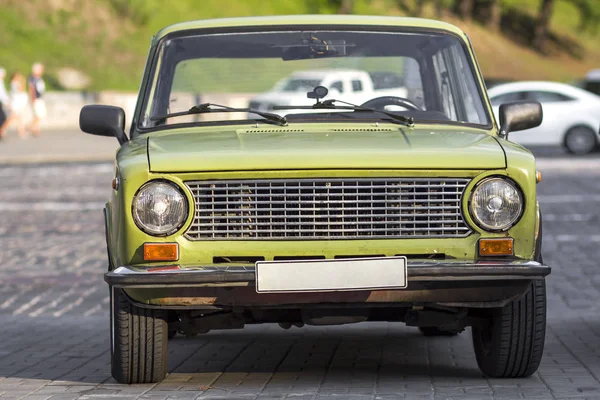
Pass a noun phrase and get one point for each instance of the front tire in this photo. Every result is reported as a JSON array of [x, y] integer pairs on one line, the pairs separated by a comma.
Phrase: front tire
[[511, 344], [580, 140], [138, 341]]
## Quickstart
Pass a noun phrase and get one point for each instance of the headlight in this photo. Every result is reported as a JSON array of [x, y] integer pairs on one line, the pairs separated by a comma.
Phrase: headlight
[[159, 208], [496, 204]]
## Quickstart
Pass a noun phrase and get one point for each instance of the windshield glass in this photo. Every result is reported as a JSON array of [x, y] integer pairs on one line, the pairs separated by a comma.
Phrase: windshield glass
[[425, 75], [300, 84]]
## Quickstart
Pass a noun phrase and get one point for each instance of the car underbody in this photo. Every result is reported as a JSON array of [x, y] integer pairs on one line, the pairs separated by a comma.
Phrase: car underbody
[[447, 296]]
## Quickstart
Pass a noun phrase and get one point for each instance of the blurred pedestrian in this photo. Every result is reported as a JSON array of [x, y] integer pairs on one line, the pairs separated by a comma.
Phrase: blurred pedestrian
[[37, 87], [18, 105], [4, 100]]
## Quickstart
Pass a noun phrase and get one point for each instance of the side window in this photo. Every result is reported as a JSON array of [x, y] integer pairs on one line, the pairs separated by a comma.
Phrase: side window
[[357, 85], [547, 97], [338, 85], [507, 98]]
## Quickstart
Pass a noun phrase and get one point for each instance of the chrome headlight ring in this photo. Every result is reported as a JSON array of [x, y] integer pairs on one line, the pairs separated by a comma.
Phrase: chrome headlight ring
[[496, 204], [159, 208]]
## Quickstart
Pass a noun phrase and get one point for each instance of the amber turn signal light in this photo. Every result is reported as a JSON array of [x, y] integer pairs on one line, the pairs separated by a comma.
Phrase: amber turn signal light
[[161, 252], [496, 247], [538, 176]]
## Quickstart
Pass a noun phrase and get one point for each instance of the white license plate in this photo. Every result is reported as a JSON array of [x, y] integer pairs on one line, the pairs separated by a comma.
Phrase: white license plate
[[331, 275]]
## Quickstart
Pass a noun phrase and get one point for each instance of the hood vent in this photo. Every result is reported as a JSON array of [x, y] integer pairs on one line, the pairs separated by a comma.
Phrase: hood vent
[[243, 131], [275, 130], [362, 130]]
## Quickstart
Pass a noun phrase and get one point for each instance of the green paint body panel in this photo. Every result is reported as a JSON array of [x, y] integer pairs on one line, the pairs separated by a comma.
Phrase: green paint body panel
[[132, 160], [304, 150], [313, 146]]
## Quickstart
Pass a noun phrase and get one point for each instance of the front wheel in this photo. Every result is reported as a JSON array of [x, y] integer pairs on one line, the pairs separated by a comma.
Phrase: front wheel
[[510, 345], [580, 140], [138, 341]]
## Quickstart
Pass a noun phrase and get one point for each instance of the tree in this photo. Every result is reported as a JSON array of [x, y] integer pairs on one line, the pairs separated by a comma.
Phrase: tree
[[540, 32], [495, 15], [589, 15], [464, 8], [440, 7], [345, 7], [488, 12], [419, 7]]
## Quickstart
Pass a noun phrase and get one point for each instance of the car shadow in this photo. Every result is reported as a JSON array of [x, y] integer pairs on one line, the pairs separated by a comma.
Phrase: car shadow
[[389, 350], [74, 349]]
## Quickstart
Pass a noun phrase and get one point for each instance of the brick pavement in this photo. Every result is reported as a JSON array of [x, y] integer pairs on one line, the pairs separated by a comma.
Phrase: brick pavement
[[54, 321], [57, 145]]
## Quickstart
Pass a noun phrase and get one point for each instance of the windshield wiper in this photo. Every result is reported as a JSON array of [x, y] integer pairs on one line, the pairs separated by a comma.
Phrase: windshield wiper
[[330, 105], [207, 108]]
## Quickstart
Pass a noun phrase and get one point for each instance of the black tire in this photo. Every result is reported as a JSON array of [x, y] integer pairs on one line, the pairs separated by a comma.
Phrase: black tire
[[138, 341], [580, 140], [511, 345], [435, 331]]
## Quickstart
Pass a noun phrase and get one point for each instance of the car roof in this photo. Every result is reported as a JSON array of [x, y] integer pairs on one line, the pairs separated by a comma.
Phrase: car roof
[[538, 85], [593, 75], [286, 20]]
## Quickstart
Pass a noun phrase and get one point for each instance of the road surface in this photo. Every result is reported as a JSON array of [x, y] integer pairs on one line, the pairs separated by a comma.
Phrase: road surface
[[54, 335]]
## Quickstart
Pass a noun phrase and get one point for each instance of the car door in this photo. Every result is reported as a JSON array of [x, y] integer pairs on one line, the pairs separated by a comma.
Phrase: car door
[[558, 109], [554, 106]]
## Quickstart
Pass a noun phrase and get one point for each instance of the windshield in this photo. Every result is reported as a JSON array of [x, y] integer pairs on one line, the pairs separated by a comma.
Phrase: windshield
[[426, 76]]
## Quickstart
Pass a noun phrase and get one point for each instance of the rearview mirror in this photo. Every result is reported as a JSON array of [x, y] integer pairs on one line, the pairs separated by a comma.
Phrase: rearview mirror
[[103, 121], [519, 116], [311, 47]]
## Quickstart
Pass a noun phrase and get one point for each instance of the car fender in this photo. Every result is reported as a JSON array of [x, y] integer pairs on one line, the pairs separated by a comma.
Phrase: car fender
[[107, 230], [538, 233]]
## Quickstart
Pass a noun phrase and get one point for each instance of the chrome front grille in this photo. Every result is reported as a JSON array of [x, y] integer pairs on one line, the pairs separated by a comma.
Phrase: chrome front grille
[[305, 209]]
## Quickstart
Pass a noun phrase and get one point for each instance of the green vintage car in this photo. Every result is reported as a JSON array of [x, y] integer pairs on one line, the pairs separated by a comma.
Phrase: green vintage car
[[325, 208]]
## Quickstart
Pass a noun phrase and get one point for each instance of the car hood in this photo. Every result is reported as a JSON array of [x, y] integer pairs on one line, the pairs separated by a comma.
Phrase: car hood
[[336, 148]]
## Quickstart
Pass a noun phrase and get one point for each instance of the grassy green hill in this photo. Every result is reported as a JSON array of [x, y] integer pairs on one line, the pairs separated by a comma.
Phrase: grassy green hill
[[108, 39]]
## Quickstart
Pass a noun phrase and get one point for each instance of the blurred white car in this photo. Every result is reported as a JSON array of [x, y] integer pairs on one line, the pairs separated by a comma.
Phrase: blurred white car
[[354, 86], [571, 115]]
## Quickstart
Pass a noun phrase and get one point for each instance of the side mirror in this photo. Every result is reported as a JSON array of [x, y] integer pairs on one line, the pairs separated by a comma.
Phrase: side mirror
[[519, 116], [103, 121]]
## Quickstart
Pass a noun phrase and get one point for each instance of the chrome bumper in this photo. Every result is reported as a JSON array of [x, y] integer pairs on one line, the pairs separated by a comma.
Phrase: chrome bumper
[[418, 271]]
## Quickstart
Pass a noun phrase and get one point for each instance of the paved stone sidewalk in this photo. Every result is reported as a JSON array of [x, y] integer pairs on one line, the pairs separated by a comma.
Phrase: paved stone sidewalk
[[54, 335], [57, 146]]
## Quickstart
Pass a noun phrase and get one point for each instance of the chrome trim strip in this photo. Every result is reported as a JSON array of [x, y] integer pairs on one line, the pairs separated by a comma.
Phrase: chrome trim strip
[[418, 271]]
